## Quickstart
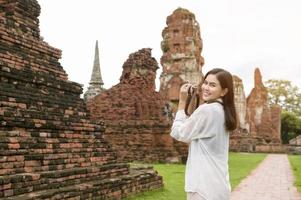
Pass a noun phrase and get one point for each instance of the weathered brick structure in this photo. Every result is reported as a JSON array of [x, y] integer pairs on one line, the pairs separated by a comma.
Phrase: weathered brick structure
[[181, 59], [264, 120], [137, 117], [240, 139], [259, 124], [49, 147], [240, 104]]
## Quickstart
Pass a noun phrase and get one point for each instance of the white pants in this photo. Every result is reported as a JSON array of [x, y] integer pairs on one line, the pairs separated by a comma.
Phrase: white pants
[[194, 196]]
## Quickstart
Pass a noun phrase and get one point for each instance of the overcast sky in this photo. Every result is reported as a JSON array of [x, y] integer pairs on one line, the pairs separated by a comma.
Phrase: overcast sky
[[238, 35]]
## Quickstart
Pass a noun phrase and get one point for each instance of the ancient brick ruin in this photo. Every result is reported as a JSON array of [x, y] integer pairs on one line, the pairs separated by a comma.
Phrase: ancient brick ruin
[[49, 147], [181, 59], [259, 124], [240, 104], [264, 120], [240, 138], [137, 117]]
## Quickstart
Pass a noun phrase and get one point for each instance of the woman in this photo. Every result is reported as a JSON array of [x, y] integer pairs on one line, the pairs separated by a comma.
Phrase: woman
[[207, 132]]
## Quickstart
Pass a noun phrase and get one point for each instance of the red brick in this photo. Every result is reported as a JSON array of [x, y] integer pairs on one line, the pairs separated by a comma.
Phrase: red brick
[[14, 146]]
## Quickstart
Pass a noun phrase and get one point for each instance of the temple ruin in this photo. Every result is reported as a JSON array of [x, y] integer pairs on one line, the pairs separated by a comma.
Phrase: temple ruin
[[264, 120], [137, 117], [49, 146], [259, 124], [181, 59]]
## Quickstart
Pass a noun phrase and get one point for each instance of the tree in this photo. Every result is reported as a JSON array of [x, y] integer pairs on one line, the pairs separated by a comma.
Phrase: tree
[[290, 126], [283, 93]]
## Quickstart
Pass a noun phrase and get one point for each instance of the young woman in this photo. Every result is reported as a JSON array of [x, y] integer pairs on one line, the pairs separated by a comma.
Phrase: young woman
[[207, 132]]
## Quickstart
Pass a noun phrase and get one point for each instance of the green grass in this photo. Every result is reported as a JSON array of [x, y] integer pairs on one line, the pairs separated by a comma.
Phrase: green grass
[[173, 178], [240, 165], [295, 161]]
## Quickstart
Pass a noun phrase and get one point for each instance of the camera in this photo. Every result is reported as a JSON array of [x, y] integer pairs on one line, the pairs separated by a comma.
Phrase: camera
[[193, 100]]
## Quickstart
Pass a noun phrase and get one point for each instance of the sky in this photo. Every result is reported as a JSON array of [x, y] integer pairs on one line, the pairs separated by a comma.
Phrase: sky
[[238, 35]]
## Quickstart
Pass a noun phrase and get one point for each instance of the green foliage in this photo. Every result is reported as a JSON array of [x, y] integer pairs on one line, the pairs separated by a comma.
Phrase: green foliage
[[240, 165], [290, 126], [295, 161], [284, 94]]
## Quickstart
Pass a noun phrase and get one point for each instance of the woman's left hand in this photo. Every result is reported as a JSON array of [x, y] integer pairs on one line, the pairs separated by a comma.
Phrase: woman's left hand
[[184, 92]]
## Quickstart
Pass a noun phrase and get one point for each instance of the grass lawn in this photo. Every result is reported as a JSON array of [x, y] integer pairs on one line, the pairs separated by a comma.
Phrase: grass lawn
[[240, 165], [295, 161]]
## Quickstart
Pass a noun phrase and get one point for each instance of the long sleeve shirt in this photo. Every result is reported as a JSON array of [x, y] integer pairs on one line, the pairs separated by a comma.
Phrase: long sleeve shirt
[[207, 163]]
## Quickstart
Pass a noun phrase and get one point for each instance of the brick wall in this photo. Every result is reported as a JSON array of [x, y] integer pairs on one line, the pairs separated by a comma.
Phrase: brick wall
[[137, 117], [49, 146]]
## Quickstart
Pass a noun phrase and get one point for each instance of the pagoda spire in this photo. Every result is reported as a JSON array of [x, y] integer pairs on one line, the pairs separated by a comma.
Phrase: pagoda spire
[[96, 78], [96, 82]]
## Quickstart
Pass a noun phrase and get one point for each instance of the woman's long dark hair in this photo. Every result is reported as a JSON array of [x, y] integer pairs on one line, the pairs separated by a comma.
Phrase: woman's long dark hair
[[226, 81]]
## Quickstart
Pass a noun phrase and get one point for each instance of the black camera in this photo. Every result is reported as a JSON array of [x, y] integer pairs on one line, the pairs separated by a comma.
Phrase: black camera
[[192, 101]]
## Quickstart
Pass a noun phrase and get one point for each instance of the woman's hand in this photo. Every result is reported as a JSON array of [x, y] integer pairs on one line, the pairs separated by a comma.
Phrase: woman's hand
[[184, 91], [183, 95]]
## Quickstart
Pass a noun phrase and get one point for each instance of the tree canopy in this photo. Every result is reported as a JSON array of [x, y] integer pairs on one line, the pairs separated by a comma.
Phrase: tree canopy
[[283, 93], [290, 126]]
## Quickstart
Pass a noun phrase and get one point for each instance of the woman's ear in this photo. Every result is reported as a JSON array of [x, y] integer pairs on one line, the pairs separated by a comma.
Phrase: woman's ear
[[224, 92]]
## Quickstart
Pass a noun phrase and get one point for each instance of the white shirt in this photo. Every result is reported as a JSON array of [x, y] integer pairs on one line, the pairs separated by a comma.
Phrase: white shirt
[[207, 163]]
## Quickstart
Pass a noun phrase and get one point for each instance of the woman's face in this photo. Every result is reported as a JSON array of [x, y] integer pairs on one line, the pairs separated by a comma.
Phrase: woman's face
[[211, 88]]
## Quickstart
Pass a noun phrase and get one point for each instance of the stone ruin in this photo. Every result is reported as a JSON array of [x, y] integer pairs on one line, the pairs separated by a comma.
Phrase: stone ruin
[[259, 124], [262, 118], [49, 146], [240, 104], [181, 60], [137, 117]]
